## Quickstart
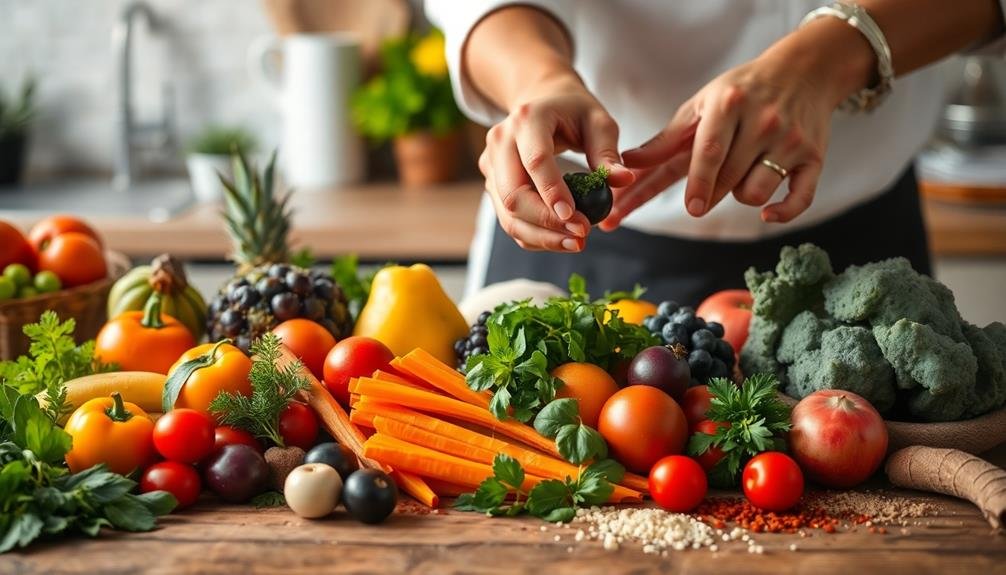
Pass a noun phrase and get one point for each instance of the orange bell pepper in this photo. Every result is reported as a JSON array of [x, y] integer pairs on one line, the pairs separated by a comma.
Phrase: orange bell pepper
[[110, 431], [204, 372], [145, 340]]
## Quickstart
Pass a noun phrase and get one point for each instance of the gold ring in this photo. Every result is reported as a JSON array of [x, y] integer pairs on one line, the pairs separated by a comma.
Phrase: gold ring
[[783, 172]]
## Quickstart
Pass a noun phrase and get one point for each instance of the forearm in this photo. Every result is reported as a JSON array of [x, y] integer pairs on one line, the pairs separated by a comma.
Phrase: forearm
[[514, 49]]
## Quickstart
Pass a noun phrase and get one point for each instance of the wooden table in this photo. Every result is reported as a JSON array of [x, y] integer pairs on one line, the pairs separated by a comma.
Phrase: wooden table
[[231, 540]]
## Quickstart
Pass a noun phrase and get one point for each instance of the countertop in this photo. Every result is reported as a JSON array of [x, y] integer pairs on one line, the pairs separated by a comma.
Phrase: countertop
[[382, 221], [211, 538]]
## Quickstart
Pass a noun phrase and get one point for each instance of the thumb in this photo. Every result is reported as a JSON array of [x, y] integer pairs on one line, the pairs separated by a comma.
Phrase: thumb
[[600, 144]]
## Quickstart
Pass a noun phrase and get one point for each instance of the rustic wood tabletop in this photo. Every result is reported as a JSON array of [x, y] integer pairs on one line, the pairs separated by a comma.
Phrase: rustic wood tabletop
[[240, 539]]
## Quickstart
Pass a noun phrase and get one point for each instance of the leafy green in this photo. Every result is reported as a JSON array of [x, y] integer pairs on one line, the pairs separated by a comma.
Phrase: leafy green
[[268, 499], [552, 500], [273, 388], [53, 359], [576, 441], [757, 418], [526, 342]]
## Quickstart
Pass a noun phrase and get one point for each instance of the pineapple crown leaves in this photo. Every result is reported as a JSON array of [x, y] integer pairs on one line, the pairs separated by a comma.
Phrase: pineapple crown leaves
[[257, 220]]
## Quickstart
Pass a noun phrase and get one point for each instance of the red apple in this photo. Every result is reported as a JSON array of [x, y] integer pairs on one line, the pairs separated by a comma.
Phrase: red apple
[[838, 438], [355, 356], [732, 309]]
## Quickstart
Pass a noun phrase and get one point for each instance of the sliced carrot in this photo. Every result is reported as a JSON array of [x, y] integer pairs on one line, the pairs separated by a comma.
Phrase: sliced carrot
[[427, 462], [442, 405], [402, 380], [423, 365], [336, 422], [362, 418], [353, 399]]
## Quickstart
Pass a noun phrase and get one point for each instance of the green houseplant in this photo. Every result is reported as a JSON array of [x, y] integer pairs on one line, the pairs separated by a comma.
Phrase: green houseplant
[[16, 115], [209, 156], [410, 103]]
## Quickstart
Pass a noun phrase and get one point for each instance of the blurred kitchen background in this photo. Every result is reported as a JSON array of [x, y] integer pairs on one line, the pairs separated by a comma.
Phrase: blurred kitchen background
[[136, 104]]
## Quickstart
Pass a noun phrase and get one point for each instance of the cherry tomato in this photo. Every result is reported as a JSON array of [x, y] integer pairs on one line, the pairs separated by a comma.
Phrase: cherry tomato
[[357, 356], [642, 424], [695, 403], [184, 435], [178, 479], [43, 232], [308, 340], [677, 483], [298, 425], [772, 481], [227, 435], [75, 257], [713, 455]]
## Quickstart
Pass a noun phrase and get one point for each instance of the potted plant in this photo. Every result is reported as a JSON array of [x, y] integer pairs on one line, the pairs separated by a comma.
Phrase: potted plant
[[16, 115], [410, 102], [209, 157]]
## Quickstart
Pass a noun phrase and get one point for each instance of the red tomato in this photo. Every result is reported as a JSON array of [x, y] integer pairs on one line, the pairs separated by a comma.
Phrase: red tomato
[[772, 481], [14, 248], [677, 483], [178, 479], [713, 455], [838, 438], [695, 403], [184, 435], [227, 435], [75, 257], [298, 425], [44, 231], [642, 424], [356, 356], [732, 308], [308, 340]]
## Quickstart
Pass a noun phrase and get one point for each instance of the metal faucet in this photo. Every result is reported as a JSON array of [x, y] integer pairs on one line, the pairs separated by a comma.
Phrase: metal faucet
[[132, 136]]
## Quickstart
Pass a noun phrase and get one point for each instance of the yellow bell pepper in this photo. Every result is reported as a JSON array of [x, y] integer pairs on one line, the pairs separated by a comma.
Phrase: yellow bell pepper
[[408, 308], [110, 431]]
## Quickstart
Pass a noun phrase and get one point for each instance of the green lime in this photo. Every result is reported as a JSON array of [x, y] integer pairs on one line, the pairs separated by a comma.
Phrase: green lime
[[47, 282], [26, 292], [7, 288], [18, 273]]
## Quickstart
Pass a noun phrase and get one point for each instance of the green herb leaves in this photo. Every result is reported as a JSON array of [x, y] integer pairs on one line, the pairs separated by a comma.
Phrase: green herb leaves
[[526, 342], [757, 421], [576, 442], [551, 500]]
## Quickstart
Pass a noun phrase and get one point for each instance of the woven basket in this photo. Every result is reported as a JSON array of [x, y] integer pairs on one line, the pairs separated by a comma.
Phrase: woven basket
[[85, 304]]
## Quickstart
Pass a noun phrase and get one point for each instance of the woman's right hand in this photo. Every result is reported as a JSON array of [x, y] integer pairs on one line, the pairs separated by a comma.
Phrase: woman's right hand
[[532, 202]]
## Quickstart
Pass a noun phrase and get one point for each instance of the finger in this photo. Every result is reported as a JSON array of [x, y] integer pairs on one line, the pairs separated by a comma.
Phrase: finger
[[646, 187], [668, 142], [713, 139], [756, 135], [600, 145], [514, 187], [531, 237], [535, 144], [802, 186]]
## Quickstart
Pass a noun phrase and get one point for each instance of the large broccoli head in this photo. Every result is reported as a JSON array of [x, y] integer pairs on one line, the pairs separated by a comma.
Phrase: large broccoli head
[[795, 286]]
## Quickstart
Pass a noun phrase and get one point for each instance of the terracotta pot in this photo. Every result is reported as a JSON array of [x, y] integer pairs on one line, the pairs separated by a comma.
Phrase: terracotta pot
[[424, 158]]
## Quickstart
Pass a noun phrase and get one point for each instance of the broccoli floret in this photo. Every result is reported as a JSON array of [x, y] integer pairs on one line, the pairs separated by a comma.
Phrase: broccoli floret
[[848, 358], [806, 265], [989, 390], [944, 369], [803, 334], [796, 285], [997, 333], [758, 353]]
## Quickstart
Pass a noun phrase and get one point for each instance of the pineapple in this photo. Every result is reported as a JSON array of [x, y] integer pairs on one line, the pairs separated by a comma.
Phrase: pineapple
[[267, 289]]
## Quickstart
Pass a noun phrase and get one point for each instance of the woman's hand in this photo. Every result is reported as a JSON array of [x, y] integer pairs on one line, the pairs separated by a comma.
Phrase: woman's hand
[[777, 107], [532, 202]]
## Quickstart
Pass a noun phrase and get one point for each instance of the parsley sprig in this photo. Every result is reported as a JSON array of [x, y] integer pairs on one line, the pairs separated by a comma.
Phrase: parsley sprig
[[576, 441], [552, 500], [527, 341], [273, 387], [757, 417]]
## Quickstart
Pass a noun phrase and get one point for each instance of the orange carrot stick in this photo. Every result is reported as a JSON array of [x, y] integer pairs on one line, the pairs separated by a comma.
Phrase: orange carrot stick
[[531, 462], [441, 405], [336, 422], [400, 379], [446, 488], [422, 365]]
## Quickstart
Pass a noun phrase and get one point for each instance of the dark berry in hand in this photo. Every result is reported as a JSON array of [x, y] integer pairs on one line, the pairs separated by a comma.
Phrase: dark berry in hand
[[591, 193]]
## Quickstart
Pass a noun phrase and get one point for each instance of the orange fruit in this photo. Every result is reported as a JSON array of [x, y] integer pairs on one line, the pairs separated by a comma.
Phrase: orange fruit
[[633, 310], [587, 383]]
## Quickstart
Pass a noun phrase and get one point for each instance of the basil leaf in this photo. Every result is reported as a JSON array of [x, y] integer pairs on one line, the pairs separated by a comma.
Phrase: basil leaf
[[508, 470], [129, 514], [556, 415], [580, 443]]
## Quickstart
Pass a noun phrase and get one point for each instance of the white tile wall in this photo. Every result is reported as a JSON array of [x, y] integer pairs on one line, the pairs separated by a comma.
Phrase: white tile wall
[[67, 44]]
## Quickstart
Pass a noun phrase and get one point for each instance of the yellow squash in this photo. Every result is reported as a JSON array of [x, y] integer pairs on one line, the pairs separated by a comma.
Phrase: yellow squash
[[408, 308], [141, 388]]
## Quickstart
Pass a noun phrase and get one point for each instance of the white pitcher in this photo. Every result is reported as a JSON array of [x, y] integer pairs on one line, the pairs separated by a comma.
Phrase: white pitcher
[[313, 77]]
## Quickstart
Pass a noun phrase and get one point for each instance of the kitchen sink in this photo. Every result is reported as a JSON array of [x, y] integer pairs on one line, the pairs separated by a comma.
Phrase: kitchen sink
[[156, 199]]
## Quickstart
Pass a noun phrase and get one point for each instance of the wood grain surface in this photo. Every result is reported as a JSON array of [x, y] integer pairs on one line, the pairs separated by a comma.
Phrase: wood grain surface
[[216, 539]]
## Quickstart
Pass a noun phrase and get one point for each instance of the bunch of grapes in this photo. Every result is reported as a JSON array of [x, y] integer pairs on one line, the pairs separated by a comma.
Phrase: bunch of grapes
[[474, 343], [709, 355]]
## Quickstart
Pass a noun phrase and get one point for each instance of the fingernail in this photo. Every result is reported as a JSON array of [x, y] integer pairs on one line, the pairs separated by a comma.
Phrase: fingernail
[[563, 210], [575, 229], [770, 217], [696, 206], [570, 245]]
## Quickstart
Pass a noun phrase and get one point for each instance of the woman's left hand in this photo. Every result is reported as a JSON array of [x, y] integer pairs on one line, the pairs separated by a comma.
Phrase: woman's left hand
[[777, 107]]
